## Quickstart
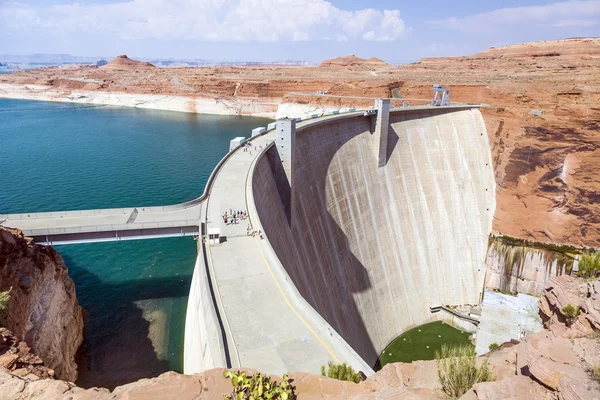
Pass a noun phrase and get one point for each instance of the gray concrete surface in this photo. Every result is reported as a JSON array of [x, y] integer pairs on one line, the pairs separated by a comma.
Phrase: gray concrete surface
[[372, 248], [505, 317], [269, 326]]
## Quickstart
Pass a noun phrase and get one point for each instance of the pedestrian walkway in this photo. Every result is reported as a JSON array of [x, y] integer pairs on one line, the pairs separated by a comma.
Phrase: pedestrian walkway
[[269, 326]]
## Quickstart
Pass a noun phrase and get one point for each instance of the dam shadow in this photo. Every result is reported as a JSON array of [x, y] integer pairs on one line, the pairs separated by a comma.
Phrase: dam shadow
[[126, 330], [313, 248], [340, 244]]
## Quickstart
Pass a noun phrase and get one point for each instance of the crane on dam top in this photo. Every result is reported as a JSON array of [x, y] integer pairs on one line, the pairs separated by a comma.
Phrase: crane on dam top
[[441, 97]]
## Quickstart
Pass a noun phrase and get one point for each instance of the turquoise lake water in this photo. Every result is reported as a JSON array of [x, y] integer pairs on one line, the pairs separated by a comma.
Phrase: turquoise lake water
[[59, 156]]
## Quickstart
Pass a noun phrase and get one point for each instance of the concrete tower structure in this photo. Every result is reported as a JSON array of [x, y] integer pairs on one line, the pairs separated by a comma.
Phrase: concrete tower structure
[[381, 129], [285, 144]]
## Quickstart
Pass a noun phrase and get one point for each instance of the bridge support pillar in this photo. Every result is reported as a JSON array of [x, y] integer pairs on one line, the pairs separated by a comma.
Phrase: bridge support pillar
[[381, 130], [285, 143]]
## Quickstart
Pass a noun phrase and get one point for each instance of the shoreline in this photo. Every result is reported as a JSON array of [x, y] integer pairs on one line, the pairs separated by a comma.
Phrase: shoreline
[[187, 104], [267, 107]]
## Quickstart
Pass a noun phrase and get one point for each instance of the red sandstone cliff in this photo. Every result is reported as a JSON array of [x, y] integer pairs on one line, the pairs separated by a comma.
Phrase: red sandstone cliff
[[124, 63], [353, 61], [43, 310]]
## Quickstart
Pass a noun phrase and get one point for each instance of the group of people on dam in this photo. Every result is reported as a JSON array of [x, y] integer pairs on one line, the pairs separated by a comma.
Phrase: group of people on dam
[[248, 148], [234, 216]]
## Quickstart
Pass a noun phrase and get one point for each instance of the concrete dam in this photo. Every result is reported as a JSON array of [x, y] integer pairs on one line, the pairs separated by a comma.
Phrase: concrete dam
[[373, 237], [370, 220]]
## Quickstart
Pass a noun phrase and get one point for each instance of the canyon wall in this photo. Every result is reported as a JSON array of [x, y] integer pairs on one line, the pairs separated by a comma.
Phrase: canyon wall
[[516, 267], [43, 310], [372, 248]]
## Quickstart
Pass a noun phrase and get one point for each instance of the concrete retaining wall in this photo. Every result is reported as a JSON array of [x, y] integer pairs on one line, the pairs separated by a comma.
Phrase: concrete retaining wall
[[203, 343], [371, 249]]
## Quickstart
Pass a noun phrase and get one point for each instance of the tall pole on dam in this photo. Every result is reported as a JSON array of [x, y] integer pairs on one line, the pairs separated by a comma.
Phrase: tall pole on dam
[[285, 143], [381, 130]]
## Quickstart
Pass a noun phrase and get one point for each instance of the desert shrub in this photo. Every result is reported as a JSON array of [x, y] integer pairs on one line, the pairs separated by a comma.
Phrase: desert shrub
[[341, 372], [494, 346], [258, 387], [458, 371], [595, 372], [571, 313], [594, 336], [589, 265], [4, 298]]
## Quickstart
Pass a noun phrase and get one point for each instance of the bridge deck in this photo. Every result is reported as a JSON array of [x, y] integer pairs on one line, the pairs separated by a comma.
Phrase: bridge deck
[[106, 224]]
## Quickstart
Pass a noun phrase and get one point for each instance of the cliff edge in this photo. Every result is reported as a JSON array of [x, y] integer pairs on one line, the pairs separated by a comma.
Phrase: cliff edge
[[43, 310]]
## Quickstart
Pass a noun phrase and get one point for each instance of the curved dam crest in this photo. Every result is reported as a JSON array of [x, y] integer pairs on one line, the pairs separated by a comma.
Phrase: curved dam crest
[[373, 248]]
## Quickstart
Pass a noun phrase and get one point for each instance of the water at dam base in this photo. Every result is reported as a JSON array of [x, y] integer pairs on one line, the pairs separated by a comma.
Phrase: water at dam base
[[68, 157]]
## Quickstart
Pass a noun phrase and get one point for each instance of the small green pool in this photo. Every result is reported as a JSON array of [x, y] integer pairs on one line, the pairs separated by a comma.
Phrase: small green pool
[[420, 343]]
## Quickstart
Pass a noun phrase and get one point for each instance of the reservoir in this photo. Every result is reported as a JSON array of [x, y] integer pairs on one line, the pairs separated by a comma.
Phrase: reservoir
[[62, 156]]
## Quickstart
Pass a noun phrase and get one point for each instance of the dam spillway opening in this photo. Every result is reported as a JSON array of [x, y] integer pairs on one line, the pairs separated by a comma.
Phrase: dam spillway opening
[[370, 246]]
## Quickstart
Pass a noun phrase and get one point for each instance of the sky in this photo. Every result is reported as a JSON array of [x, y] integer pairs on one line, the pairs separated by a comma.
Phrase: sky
[[397, 31]]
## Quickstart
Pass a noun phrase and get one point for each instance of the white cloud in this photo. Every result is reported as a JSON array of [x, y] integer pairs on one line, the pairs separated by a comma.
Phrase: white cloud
[[576, 23], [208, 20], [557, 15]]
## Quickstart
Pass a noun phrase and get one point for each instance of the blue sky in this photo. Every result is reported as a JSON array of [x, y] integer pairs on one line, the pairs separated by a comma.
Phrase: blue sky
[[268, 30]]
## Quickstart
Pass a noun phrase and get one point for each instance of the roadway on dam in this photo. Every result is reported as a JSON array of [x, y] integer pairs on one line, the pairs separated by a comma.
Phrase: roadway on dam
[[269, 326]]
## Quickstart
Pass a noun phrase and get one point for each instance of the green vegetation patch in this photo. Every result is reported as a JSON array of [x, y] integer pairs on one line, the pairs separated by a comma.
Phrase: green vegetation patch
[[567, 250], [589, 265], [422, 342], [341, 372], [4, 298], [458, 370]]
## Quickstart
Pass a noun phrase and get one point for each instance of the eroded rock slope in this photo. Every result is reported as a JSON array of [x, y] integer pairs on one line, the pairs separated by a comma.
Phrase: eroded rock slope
[[43, 310]]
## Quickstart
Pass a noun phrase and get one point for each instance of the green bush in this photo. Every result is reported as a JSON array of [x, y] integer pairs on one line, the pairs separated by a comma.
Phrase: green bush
[[571, 313], [341, 372], [595, 372], [258, 387], [589, 265], [458, 371], [494, 346], [594, 336], [4, 298]]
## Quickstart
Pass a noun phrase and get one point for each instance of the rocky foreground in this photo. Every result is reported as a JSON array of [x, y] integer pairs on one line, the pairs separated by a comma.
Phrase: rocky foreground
[[556, 363], [43, 310]]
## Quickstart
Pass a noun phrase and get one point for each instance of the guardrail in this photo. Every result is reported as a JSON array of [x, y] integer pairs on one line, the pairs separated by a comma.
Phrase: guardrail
[[464, 317], [112, 227]]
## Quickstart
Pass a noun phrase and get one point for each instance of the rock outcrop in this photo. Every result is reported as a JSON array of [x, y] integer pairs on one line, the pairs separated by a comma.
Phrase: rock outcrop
[[124, 63], [584, 295], [43, 310], [17, 357], [353, 61]]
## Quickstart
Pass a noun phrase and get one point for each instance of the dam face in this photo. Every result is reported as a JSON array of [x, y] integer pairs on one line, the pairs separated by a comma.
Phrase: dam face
[[371, 247]]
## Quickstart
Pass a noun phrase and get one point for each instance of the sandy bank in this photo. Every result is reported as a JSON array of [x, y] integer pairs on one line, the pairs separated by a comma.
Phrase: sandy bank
[[201, 105]]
